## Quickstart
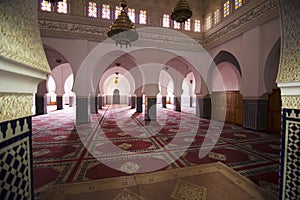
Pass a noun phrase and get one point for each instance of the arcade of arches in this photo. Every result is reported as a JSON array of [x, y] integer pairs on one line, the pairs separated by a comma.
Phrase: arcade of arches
[[241, 71]]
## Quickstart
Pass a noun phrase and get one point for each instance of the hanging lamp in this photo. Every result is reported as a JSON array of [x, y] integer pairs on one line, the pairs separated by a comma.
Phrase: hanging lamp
[[123, 30], [182, 12], [116, 81]]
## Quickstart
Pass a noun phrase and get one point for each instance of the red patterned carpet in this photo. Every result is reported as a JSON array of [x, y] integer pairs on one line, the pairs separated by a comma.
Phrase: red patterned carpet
[[118, 142]]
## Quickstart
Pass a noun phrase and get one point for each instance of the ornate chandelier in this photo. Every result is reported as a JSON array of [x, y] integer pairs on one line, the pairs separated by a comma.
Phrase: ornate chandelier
[[123, 30], [182, 12]]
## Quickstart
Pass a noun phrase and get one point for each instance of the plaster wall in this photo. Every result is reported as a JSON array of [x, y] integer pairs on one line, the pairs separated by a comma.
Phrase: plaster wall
[[251, 49]]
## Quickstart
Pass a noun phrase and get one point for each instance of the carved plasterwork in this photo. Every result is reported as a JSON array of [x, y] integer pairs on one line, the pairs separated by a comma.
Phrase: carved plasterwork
[[289, 68], [14, 106], [20, 39], [290, 102]]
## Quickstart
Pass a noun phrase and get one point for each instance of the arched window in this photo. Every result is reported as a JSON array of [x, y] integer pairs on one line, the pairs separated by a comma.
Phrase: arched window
[[217, 16], [187, 25], [166, 21], [143, 17], [62, 7], [131, 14], [176, 25], [92, 9], [208, 22], [197, 26], [45, 6], [226, 8], [105, 11], [117, 11], [237, 4]]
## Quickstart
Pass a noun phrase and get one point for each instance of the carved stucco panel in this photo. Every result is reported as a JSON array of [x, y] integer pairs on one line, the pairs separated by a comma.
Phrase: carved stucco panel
[[20, 39], [292, 102], [14, 106], [289, 69]]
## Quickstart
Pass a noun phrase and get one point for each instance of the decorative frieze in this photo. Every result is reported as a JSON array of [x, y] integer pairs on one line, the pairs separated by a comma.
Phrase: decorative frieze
[[14, 106], [154, 37], [291, 102], [253, 16], [72, 27]]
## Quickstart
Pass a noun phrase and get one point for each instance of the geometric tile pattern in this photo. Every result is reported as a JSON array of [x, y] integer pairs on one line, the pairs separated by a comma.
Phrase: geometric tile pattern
[[255, 115], [15, 171], [292, 154]]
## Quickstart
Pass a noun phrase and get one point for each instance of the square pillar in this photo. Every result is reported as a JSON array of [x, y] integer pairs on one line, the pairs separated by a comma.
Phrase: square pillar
[[93, 104], [59, 102], [40, 105], [139, 104], [82, 110], [71, 101], [203, 107], [132, 102], [164, 101], [100, 102], [177, 104], [150, 109]]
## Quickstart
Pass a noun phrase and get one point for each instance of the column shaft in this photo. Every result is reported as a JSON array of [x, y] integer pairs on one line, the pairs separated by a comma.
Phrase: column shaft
[[139, 104], [59, 102], [40, 105], [164, 101], [150, 108]]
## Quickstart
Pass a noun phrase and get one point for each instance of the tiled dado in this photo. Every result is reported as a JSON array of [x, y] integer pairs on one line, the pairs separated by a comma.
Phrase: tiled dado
[[255, 114], [290, 154], [16, 159]]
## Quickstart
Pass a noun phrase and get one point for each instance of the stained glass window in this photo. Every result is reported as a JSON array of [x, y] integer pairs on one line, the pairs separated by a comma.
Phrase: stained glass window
[[45, 6], [226, 8], [176, 25], [92, 9], [62, 7], [208, 22], [131, 14], [197, 26], [166, 21], [238, 3], [217, 16], [105, 11], [117, 11], [187, 25], [143, 17]]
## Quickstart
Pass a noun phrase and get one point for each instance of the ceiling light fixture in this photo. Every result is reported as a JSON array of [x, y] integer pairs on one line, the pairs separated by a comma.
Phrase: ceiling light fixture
[[116, 81], [182, 12], [122, 31]]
